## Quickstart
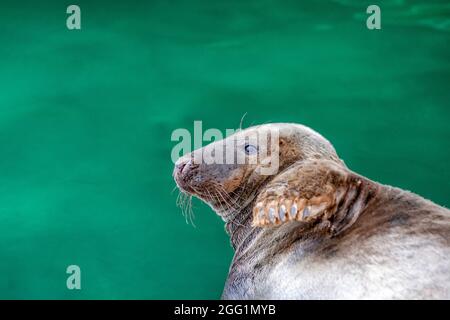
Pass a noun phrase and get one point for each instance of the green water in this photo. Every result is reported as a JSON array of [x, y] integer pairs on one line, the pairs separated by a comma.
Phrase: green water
[[86, 118]]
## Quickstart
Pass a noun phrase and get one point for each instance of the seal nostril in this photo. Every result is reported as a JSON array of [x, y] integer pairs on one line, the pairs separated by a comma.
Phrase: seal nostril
[[181, 166]]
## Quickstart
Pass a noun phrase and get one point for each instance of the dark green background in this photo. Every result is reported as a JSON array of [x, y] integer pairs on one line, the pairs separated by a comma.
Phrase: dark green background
[[86, 119]]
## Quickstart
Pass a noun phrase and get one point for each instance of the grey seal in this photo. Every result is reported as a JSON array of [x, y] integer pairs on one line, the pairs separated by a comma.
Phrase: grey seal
[[315, 229]]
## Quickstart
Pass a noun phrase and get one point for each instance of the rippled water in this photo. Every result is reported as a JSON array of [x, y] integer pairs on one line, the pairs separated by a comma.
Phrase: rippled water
[[86, 119]]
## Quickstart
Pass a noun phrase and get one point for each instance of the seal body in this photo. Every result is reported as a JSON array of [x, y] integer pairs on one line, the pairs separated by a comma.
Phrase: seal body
[[316, 230], [397, 249]]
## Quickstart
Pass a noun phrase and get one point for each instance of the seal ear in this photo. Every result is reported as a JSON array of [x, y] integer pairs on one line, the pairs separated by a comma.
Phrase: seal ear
[[308, 190]]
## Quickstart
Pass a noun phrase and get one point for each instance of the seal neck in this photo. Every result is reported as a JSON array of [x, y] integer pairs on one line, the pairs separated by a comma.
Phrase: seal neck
[[354, 203], [349, 209], [240, 228]]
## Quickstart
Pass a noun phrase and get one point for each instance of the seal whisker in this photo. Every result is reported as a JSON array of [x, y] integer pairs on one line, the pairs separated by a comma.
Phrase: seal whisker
[[242, 120], [222, 189], [231, 221], [224, 206], [226, 203], [214, 197], [190, 212], [229, 202], [184, 202]]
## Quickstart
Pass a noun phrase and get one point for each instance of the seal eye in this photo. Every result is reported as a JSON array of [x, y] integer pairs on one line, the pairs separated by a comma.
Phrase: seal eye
[[250, 149]]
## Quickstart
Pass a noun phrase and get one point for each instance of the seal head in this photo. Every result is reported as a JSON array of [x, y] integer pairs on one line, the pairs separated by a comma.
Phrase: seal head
[[230, 174]]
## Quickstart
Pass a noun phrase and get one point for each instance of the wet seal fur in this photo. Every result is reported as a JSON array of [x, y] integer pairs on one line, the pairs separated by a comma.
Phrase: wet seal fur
[[317, 230]]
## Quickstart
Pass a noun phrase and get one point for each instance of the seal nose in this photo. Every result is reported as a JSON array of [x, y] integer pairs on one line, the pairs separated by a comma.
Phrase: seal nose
[[182, 165], [183, 174]]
